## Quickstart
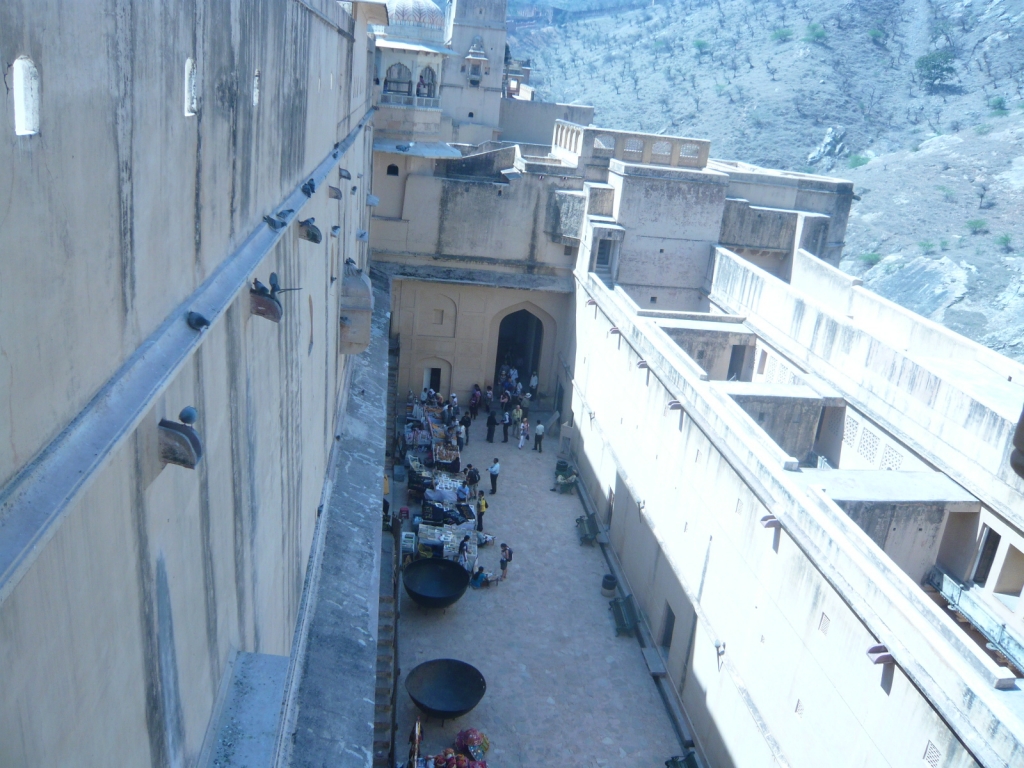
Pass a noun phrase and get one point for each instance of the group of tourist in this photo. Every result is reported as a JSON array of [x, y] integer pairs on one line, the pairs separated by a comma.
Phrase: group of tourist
[[514, 407]]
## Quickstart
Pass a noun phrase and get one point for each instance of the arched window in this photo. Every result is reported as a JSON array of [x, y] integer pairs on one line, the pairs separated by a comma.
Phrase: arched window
[[26, 97], [398, 79], [392, 170], [427, 85]]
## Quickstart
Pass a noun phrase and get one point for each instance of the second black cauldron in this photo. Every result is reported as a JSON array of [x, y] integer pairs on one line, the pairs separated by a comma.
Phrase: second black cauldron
[[445, 688]]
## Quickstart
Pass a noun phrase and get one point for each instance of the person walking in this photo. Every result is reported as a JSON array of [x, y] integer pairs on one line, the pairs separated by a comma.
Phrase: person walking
[[472, 480], [494, 470], [524, 433], [492, 423], [481, 507], [488, 398], [460, 433], [506, 558], [534, 383], [538, 437], [506, 422]]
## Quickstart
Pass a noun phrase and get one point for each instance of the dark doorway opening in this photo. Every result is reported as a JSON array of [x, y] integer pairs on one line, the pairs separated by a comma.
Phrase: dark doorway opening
[[520, 337], [736, 361], [987, 556], [669, 628], [432, 378]]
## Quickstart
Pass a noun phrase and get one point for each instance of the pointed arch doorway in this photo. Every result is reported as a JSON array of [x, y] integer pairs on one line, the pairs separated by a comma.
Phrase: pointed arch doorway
[[520, 342]]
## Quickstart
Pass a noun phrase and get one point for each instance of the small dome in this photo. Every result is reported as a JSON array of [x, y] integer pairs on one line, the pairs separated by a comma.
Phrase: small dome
[[416, 13]]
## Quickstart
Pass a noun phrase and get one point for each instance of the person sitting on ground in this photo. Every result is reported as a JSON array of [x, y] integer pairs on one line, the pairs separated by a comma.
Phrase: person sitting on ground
[[481, 579], [568, 479]]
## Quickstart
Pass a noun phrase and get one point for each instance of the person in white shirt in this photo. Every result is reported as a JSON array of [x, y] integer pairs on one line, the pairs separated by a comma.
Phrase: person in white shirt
[[494, 470], [538, 437], [534, 383]]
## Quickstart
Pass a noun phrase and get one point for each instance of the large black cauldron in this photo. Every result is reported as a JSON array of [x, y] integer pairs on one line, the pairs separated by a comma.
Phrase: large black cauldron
[[435, 583], [445, 688]]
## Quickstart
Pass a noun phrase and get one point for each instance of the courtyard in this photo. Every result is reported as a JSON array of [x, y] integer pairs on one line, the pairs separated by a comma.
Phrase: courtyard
[[562, 688]]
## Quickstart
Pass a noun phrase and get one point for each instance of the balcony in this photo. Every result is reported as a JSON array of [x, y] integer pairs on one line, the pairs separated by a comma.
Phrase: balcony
[[413, 102]]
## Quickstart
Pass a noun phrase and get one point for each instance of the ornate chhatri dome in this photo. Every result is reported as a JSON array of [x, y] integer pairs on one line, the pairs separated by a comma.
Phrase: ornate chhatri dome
[[415, 13]]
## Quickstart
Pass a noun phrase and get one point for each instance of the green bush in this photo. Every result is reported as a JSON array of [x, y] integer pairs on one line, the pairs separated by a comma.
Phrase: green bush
[[702, 46], [877, 36], [947, 194], [936, 68], [870, 258], [998, 106], [815, 33], [1005, 242], [944, 245], [782, 35], [926, 246], [983, 130], [977, 226], [856, 161]]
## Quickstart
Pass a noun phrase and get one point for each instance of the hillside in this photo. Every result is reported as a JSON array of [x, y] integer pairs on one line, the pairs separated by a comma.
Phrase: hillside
[[919, 103], [939, 229]]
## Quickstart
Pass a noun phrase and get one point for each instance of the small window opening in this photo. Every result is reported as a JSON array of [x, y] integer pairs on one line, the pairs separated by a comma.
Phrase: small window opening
[[654, 299], [474, 70], [191, 94], [26, 97], [470, 114], [570, 250], [256, 89], [987, 555], [604, 253], [392, 170]]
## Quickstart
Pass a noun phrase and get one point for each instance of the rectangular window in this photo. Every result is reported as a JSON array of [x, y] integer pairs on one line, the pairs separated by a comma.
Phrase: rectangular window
[[604, 253], [989, 545], [438, 317]]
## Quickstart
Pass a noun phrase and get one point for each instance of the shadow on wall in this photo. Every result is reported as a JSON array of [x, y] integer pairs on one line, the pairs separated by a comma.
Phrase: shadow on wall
[[613, 502]]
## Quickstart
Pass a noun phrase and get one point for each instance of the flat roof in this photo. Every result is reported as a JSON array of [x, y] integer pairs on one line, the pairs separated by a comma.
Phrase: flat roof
[[717, 326], [402, 45], [888, 486], [764, 389], [430, 149]]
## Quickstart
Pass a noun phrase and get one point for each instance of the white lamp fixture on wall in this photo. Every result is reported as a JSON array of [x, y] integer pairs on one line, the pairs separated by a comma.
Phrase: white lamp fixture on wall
[[25, 82]]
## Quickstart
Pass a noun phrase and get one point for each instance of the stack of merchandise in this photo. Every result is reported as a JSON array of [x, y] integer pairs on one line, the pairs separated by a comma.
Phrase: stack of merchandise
[[470, 747]]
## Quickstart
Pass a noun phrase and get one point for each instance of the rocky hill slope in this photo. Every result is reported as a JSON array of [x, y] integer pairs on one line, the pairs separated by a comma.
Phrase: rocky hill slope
[[920, 103], [939, 229]]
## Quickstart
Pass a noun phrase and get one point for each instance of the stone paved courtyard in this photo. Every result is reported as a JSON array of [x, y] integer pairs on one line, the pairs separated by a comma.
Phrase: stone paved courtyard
[[562, 689]]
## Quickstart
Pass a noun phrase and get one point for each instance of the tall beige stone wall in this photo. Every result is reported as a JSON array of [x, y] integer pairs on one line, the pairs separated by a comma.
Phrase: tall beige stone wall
[[117, 632]]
